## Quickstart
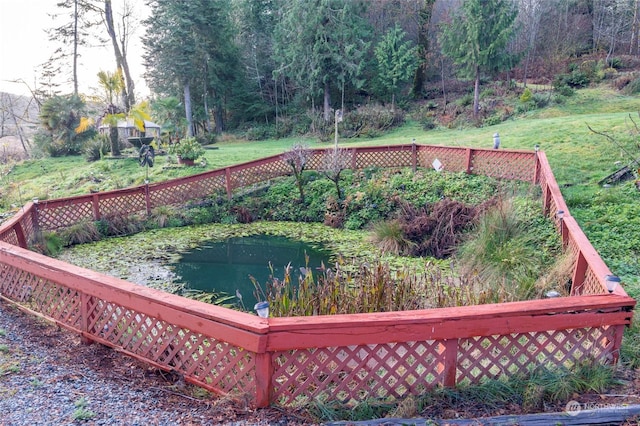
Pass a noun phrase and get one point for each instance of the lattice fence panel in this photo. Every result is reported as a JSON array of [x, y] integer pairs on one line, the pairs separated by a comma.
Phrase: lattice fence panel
[[553, 209], [356, 373], [9, 236], [393, 158], [62, 216], [452, 159], [186, 191], [50, 299], [241, 178], [481, 358], [123, 204], [207, 360], [316, 161], [591, 284], [543, 182], [505, 165], [28, 227]]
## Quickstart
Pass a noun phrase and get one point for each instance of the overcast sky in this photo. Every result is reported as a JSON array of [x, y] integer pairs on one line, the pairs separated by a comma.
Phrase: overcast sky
[[24, 47]]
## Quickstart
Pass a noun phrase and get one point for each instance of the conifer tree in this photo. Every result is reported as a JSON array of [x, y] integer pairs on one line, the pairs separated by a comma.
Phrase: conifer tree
[[477, 39]]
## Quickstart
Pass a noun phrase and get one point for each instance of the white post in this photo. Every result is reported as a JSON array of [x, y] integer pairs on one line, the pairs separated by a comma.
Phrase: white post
[[337, 119]]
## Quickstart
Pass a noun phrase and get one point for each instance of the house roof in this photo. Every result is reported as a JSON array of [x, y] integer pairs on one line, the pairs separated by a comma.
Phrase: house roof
[[128, 124]]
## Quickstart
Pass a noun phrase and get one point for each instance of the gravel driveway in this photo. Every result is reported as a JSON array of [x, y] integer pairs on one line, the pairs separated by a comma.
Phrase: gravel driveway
[[48, 377]]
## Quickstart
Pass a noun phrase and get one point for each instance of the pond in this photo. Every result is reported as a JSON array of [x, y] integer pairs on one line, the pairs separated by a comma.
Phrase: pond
[[226, 267]]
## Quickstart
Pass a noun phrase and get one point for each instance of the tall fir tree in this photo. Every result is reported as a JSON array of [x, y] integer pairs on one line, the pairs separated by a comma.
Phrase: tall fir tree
[[397, 60], [322, 44], [476, 40]]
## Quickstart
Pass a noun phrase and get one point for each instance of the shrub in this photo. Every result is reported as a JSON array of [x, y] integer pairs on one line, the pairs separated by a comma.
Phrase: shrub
[[370, 120], [82, 232], [465, 100], [576, 79], [428, 123], [96, 148], [198, 215], [258, 133], [633, 88], [492, 120], [562, 88], [51, 244], [187, 149], [541, 99], [621, 82], [526, 96]]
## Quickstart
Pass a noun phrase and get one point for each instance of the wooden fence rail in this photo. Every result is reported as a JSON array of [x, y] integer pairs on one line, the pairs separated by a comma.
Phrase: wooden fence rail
[[293, 361]]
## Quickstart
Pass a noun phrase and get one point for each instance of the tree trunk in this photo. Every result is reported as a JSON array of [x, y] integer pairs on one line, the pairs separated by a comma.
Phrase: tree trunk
[[219, 118], [113, 139], [75, 48], [635, 29], [444, 86], [476, 95], [327, 103], [187, 109], [128, 94]]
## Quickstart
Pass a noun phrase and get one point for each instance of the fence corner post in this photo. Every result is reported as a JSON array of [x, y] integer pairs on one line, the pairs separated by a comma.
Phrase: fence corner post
[[264, 371]]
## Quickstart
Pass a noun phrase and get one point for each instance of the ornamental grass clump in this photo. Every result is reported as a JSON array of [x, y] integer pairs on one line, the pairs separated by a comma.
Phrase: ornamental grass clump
[[374, 287]]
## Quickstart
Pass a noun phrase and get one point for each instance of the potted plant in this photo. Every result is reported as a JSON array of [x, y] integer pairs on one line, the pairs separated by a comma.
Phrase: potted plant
[[187, 150]]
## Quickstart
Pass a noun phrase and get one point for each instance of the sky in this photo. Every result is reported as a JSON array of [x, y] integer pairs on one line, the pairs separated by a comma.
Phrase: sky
[[24, 46]]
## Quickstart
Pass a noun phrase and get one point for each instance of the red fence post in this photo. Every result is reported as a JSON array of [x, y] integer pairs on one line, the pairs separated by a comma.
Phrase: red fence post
[[414, 156], [450, 362], [617, 342], [536, 169], [96, 206], [147, 198], [264, 371], [579, 274], [84, 318], [468, 161], [227, 181], [22, 241]]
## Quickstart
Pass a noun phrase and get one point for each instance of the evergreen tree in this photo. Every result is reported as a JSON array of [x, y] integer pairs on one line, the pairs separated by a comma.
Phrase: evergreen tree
[[77, 19], [322, 44], [256, 95], [190, 50], [397, 60], [477, 38], [424, 20]]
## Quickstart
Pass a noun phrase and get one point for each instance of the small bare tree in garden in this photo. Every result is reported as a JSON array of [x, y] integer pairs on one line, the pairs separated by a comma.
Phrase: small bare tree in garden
[[297, 158], [335, 160]]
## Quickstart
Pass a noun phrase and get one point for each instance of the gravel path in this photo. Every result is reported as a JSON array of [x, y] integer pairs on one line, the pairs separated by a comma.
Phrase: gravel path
[[48, 377]]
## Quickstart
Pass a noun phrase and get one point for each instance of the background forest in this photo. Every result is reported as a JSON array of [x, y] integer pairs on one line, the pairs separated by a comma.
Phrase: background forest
[[277, 68]]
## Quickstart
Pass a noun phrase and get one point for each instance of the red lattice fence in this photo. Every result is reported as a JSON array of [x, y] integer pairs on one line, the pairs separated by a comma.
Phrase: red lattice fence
[[291, 361]]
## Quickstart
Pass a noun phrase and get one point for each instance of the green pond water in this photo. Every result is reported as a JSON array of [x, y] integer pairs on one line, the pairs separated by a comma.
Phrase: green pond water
[[226, 267]]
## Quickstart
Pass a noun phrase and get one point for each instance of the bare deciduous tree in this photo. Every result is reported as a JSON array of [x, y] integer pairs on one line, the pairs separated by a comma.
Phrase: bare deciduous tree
[[334, 162], [297, 158]]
